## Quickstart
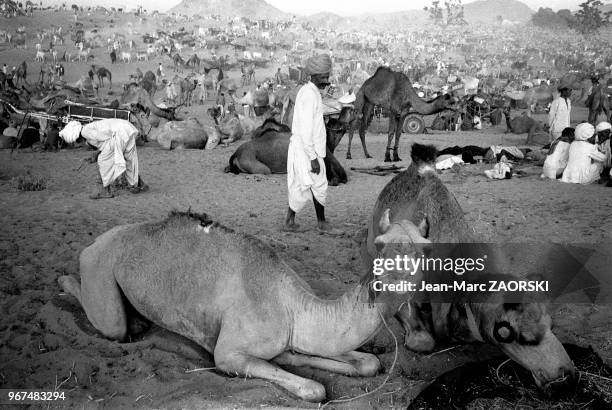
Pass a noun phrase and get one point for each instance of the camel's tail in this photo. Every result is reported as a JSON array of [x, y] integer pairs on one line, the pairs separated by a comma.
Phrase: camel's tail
[[424, 157], [232, 167]]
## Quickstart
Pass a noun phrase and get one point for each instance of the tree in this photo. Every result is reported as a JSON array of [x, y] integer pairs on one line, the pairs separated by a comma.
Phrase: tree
[[589, 18], [454, 13], [547, 18]]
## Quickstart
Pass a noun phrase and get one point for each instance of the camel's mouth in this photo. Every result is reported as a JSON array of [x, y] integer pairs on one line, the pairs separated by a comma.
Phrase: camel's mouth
[[496, 380]]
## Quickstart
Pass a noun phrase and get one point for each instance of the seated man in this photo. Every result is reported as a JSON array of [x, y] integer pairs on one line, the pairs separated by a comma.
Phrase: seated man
[[116, 144], [604, 132], [556, 160], [585, 161]]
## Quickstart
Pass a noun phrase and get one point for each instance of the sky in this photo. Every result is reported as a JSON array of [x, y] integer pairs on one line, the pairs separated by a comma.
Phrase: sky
[[341, 7]]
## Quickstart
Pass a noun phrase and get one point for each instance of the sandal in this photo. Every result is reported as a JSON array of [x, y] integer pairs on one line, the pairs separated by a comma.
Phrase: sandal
[[101, 195]]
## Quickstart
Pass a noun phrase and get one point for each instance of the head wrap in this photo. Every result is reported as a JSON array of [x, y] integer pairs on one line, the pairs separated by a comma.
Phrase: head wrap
[[584, 131], [602, 126], [319, 64], [71, 132], [563, 87]]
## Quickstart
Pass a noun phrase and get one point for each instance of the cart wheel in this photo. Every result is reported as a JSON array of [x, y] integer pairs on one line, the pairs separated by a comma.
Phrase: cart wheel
[[413, 124]]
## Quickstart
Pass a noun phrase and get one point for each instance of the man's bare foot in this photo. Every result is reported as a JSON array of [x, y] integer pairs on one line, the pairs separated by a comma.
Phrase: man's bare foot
[[104, 193], [325, 227]]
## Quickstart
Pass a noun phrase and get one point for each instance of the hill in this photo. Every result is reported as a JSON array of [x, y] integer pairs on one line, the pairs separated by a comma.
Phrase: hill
[[254, 9], [487, 11]]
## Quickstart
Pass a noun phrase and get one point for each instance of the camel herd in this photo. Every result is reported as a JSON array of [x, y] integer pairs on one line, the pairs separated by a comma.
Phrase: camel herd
[[242, 303]]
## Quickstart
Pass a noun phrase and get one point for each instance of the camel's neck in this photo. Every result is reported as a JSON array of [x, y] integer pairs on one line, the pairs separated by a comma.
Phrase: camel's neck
[[507, 114], [421, 106], [332, 327]]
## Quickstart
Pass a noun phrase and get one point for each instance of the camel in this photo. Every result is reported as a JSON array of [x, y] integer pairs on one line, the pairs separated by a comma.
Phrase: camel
[[135, 95], [259, 100], [392, 91], [149, 83], [417, 197], [598, 103], [102, 72], [577, 82], [232, 126], [188, 134], [194, 63], [525, 124], [266, 153], [21, 73], [249, 308], [181, 89], [178, 62]]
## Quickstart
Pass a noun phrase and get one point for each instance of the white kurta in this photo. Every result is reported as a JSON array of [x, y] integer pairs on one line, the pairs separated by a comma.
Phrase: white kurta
[[559, 116], [308, 142], [556, 160], [116, 140], [585, 163]]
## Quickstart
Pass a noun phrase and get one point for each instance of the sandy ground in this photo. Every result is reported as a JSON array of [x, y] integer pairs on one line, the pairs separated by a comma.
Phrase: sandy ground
[[46, 342]]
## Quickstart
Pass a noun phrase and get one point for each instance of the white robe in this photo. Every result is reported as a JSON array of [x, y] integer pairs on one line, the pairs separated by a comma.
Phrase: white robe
[[584, 165], [116, 140], [559, 116], [556, 161], [308, 142]]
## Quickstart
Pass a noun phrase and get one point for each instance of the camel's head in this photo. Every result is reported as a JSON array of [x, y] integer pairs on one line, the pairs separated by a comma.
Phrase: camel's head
[[398, 243], [523, 332], [214, 112]]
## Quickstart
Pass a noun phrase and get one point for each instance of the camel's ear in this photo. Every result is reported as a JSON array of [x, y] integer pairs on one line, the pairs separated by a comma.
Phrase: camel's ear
[[424, 228], [384, 222]]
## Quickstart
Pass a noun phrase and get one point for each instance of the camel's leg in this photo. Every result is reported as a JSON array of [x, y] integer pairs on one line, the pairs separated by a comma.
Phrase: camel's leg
[[240, 364], [101, 300], [417, 338], [392, 125], [350, 139], [256, 167], [349, 364], [398, 133], [365, 122]]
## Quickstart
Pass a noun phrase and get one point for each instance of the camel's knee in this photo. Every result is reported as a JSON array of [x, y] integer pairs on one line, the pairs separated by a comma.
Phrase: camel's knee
[[70, 285], [419, 341], [368, 365]]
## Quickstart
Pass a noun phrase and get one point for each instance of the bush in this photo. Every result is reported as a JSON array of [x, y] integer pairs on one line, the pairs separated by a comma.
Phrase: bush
[[29, 182]]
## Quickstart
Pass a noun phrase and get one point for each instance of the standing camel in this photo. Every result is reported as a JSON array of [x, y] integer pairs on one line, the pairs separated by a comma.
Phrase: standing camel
[[101, 73], [392, 90], [194, 63], [21, 73], [598, 103]]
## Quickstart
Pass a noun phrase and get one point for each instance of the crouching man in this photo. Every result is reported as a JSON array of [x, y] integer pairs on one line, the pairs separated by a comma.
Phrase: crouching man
[[115, 140]]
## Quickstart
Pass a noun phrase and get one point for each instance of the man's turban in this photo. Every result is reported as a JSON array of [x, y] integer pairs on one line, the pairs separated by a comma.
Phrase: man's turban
[[584, 131], [602, 126], [319, 64]]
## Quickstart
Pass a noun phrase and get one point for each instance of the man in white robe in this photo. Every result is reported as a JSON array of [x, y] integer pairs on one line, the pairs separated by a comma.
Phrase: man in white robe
[[115, 140], [559, 114], [585, 161], [306, 176]]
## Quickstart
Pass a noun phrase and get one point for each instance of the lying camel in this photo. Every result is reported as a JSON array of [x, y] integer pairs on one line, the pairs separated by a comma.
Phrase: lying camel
[[232, 126], [521, 330], [525, 124], [266, 154], [188, 134], [135, 95], [232, 295]]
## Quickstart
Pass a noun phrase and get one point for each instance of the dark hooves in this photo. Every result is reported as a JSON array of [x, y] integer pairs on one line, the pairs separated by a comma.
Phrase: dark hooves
[[368, 156]]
